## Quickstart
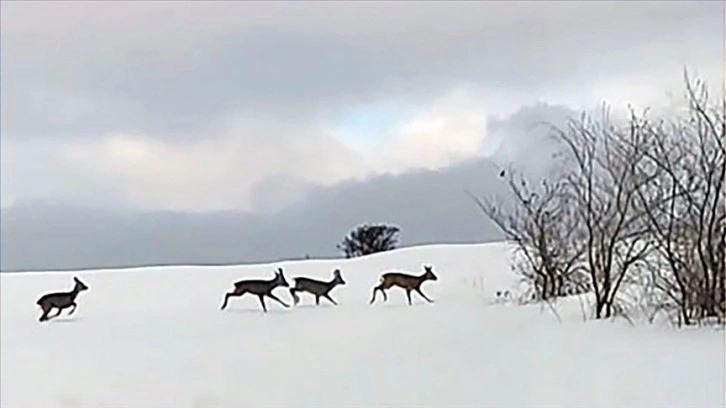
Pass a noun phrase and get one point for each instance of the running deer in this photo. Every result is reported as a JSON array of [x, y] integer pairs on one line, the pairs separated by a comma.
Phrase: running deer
[[259, 287], [316, 287], [60, 300], [405, 281]]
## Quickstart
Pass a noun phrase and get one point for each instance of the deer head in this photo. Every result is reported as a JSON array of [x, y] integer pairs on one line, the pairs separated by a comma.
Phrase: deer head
[[429, 273], [79, 286], [280, 279], [337, 279]]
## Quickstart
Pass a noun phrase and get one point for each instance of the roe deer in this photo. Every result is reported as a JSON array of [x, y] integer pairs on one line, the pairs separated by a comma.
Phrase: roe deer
[[405, 281], [60, 300], [316, 287], [259, 287]]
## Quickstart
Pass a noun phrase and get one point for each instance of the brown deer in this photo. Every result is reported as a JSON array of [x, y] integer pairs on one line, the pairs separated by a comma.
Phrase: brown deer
[[316, 287], [405, 281], [60, 300], [259, 287]]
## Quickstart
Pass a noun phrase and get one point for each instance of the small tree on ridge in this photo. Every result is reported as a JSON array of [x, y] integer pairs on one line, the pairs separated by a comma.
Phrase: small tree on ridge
[[368, 239]]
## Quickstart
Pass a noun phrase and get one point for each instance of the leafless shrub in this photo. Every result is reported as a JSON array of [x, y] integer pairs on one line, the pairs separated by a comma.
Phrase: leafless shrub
[[601, 187], [686, 214], [639, 205], [541, 226]]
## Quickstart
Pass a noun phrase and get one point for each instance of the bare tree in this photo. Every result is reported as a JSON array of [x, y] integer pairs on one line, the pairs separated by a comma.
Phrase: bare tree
[[541, 226], [639, 205], [686, 211], [602, 185]]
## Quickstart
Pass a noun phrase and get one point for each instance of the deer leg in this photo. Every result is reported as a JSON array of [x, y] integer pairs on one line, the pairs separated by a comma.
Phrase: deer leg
[[408, 295], [58, 312], [226, 299], [295, 297], [44, 316], [330, 299], [277, 299], [375, 291], [229, 295], [73, 308], [317, 299], [423, 296], [262, 301]]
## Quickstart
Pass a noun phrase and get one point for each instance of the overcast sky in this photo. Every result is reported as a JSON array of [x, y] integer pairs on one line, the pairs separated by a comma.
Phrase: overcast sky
[[165, 132]]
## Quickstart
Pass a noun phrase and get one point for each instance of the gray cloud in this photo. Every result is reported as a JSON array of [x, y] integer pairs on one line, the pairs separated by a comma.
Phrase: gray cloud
[[429, 206], [108, 108], [206, 61]]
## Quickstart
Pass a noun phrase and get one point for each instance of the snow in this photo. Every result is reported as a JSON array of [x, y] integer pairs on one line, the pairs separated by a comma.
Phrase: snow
[[155, 337]]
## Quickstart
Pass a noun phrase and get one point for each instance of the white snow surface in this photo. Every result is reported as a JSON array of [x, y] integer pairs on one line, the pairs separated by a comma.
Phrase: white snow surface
[[156, 337]]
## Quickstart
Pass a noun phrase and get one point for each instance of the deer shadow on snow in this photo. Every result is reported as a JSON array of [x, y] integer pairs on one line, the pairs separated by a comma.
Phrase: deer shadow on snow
[[65, 320], [248, 310], [311, 306], [403, 305]]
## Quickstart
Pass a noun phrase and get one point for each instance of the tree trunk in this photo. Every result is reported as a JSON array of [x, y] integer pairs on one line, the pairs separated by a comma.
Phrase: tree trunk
[[545, 288], [599, 305]]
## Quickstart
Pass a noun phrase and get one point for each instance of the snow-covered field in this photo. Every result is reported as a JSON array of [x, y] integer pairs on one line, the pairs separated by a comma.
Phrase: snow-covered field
[[155, 337]]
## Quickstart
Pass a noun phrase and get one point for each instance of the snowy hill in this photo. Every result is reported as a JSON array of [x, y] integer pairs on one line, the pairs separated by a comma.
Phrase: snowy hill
[[155, 337]]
